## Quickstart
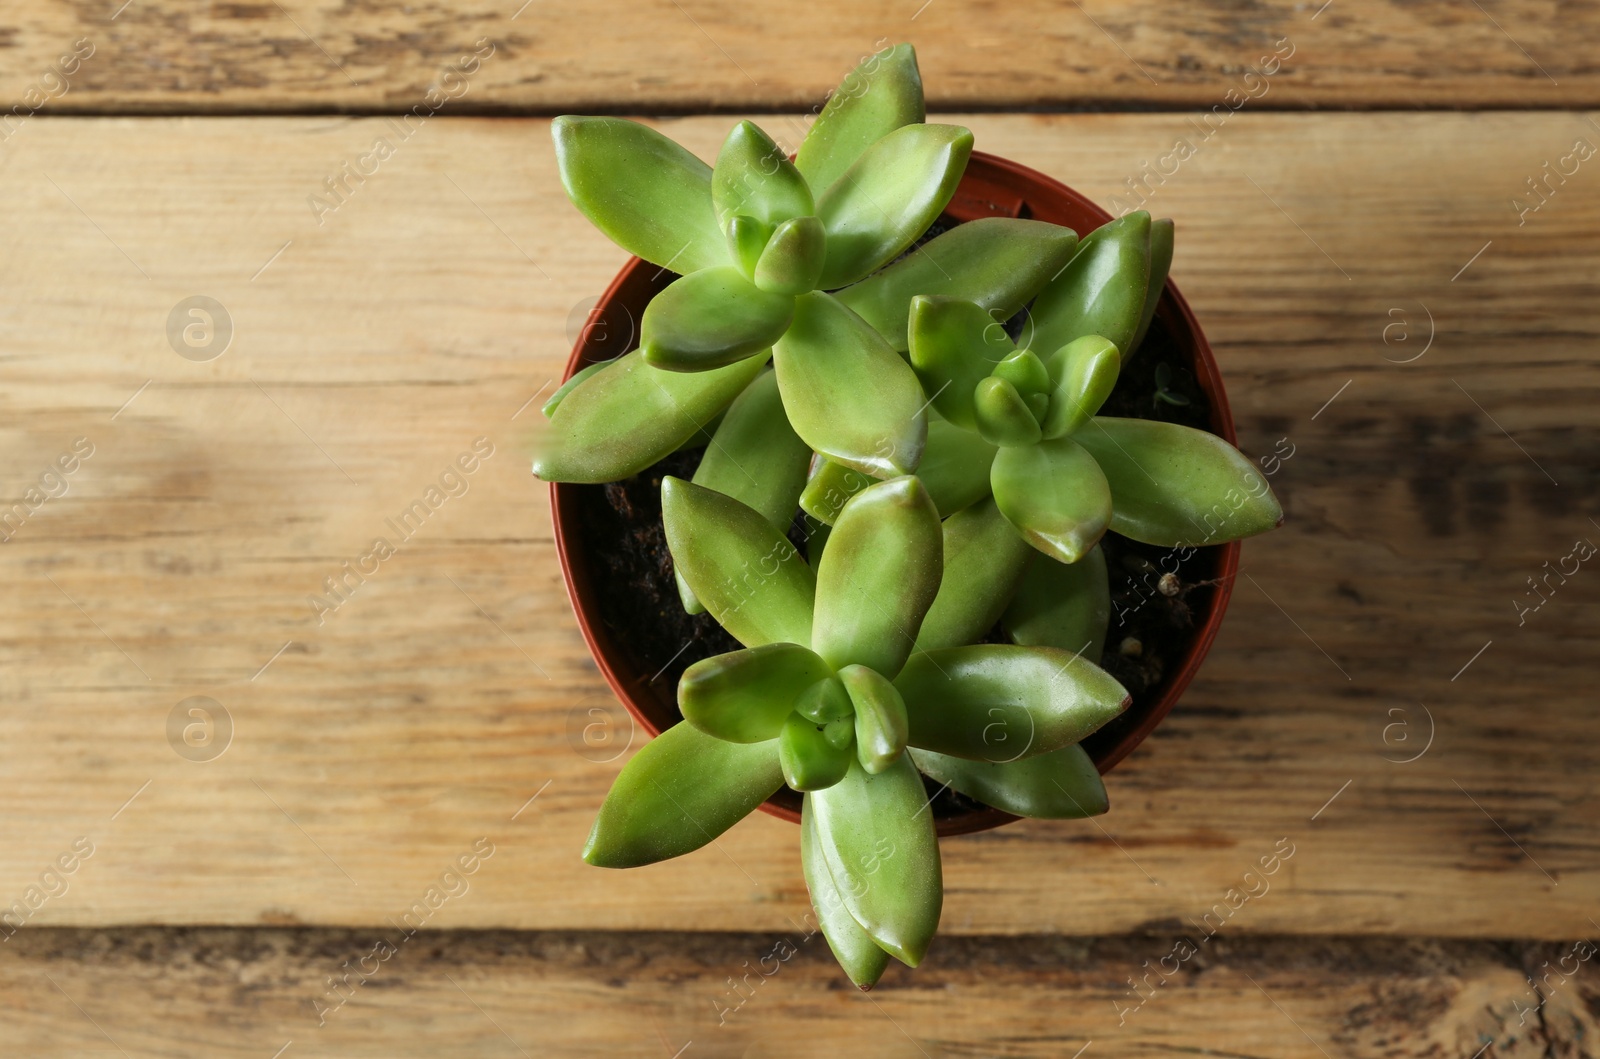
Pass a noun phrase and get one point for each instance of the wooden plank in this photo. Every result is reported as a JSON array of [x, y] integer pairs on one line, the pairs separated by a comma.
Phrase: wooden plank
[[666, 57], [159, 992], [369, 351]]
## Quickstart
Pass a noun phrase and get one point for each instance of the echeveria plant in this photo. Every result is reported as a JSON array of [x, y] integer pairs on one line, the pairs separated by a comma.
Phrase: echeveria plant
[[778, 261], [957, 477], [834, 684]]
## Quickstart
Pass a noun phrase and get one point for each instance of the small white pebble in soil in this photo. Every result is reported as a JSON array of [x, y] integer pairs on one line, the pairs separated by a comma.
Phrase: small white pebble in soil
[[1130, 647], [1168, 585]]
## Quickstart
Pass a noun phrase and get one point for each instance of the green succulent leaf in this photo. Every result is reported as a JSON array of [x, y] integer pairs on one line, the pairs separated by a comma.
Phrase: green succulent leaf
[[755, 455], [955, 344], [680, 791], [792, 260], [1004, 418], [998, 262], [841, 733], [1102, 289], [1085, 372], [826, 492], [879, 574], [890, 196], [745, 696], [983, 563], [745, 572], [857, 953], [996, 702], [825, 701], [1055, 495], [578, 378], [620, 420], [880, 847], [1173, 485], [811, 762], [747, 239], [850, 396], [753, 177], [880, 722], [1161, 234], [1024, 370], [647, 194], [711, 318], [1060, 785], [1065, 605], [955, 467], [874, 99]]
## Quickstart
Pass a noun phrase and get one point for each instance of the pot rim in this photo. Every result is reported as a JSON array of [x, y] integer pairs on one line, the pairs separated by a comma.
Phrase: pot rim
[[1014, 179]]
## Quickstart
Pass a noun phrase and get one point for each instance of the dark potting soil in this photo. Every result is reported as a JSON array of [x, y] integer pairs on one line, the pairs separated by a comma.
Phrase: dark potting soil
[[1153, 616]]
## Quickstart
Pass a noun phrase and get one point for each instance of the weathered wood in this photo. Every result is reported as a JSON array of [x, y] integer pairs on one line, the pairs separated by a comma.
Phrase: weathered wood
[[371, 349], [171, 56], [250, 993]]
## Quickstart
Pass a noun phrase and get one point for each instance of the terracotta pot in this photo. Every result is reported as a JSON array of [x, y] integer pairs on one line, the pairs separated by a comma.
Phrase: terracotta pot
[[991, 187]]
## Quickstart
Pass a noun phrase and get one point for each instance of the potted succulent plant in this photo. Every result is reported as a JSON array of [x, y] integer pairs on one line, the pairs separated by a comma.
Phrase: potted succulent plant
[[868, 492]]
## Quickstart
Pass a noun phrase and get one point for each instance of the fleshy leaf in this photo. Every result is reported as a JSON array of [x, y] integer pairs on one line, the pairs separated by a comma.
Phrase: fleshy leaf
[[1173, 485], [647, 194], [745, 696], [578, 379], [879, 574], [1060, 785], [1055, 495], [851, 397], [1161, 235], [853, 947], [826, 492], [747, 239], [1102, 289], [841, 732], [955, 344], [620, 420], [792, 261], [879, 844], [984, 558], [824, 701], [680, 791], [881, 724], [1004, 418], [745, 572], [753, 177], [955, 467], [998, 262], [1024, 370], [1065, 605], [755, 455], [811, 762], [874, 99], [890, 196], [996, 702], [711, 318], [1085, 371]]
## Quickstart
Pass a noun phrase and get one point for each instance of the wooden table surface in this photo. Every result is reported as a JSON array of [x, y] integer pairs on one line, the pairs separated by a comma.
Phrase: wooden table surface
[[1382, 296]]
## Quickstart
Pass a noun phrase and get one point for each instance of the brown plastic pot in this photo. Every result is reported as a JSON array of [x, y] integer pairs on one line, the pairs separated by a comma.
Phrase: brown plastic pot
[[991, 187]]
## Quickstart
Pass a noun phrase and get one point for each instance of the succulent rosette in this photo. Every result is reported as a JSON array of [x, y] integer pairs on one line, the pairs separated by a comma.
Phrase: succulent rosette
[[949, 452], [838, 679]]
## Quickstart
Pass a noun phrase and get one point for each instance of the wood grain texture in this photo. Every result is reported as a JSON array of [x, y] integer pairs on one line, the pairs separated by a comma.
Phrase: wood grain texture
[[663, 56], [371, 750], [159, 992]]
